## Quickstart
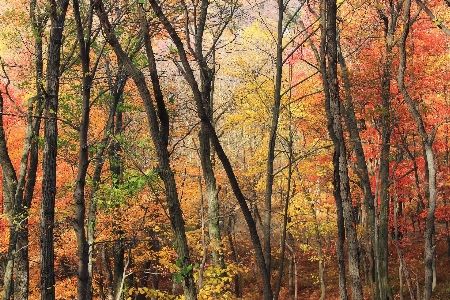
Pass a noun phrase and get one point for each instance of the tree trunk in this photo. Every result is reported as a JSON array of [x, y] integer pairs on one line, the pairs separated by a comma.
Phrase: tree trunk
[[384, 288], [47, 215], [207, 75], [212, 196], [106, 270], [236, 279], [159, 130], [18, 192], [190, 78], [272, 138], [319, 253], [427, 141], [341, 179], [119, 267], [363, 173], [83, 282], [116, 91], [286, 209]]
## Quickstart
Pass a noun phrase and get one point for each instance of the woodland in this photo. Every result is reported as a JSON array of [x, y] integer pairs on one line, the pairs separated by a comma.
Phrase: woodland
[[225, 149]]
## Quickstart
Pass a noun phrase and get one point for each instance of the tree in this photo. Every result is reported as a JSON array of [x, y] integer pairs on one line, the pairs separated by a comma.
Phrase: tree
[[159, 131], [427, 141], [329, 60], [57, 15], [190, 78]]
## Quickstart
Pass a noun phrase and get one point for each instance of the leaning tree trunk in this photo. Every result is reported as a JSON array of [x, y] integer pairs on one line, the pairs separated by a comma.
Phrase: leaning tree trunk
[[158, 120], [190, 78]]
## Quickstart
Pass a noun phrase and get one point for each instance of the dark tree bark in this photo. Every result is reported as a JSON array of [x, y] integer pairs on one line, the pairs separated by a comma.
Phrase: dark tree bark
[[107, 272], [58, 11], [362, 172], [384, 287], [159, 130], [336, 178], [190, 78], [83, 284], [272, 138], [9, 187], [286, 211], [335, 128]]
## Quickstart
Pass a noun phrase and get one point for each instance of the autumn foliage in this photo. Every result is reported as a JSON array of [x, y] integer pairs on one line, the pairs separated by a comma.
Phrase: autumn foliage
[[182, 97]]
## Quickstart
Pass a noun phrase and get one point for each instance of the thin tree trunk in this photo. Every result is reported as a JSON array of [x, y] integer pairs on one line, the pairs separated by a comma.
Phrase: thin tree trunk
[[18, 192], [119, 267], [106, 270], [159, 131], [190, 78], [202, 217], [295, 281], [286, 210], [116, 92], [272, 138], [403, 268], [236, 279], [319, 254], [21, 283], [427, 141], [363, 173], [83, 282], [207, 75], [336, 178]]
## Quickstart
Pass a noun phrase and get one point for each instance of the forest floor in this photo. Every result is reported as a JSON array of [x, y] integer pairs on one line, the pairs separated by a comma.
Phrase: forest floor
[[309, 287]]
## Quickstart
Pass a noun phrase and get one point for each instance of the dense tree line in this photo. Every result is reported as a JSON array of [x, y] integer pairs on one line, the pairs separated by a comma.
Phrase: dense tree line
[[168, 149]]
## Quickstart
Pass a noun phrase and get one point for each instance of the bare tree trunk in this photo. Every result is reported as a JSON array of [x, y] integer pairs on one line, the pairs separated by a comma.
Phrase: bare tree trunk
[[203, 116], [427, 140], [321, 59], [403, 268], [384, 288], [159, 130], [294, 273], [207, 75], [116, 91], [202, 217], [107, 273], [363, 173], [286, 209], [236, 279], [319, 253], [272, 138], [341, 180], [84, 281], [119, 267], [57, 17]]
